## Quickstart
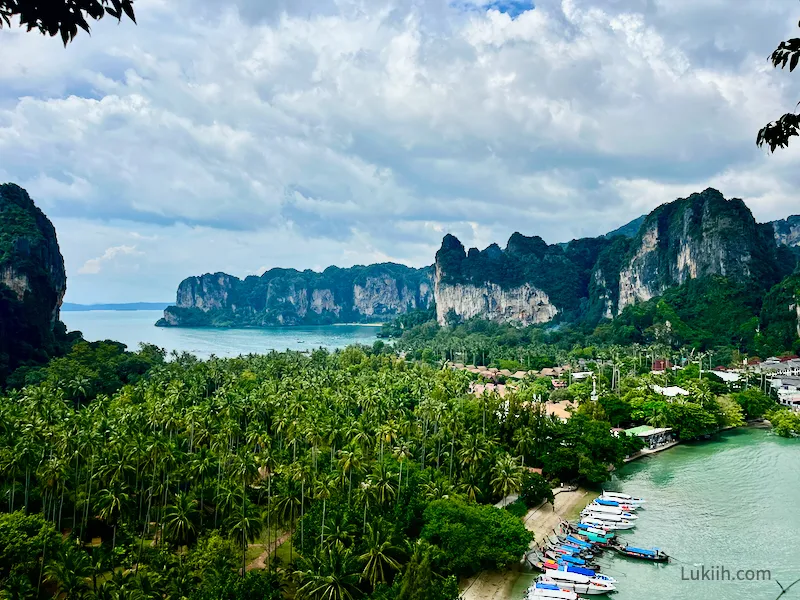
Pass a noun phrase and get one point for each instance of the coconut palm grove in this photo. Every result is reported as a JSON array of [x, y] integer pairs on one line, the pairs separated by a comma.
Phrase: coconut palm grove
[[325, 475]]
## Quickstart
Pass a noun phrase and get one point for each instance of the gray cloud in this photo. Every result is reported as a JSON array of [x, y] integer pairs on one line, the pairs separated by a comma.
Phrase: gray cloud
[[344, 132]]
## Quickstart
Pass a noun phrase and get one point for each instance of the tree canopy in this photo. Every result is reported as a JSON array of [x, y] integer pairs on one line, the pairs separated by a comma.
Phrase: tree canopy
[[64, 17], [776, 134]]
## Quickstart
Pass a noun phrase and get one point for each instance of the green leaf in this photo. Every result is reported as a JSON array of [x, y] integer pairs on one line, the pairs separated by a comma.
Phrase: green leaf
[[793, 62]]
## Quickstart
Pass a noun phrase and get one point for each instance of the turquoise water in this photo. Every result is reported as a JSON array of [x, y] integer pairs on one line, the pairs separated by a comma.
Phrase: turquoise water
[[733, 502], [133, 327]]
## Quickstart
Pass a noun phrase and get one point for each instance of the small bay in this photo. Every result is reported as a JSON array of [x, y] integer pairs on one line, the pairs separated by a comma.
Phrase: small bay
[[134, 327]]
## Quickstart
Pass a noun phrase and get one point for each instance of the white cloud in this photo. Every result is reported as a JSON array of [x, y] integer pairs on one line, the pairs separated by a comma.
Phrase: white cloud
[[93, 266], [344, 131]]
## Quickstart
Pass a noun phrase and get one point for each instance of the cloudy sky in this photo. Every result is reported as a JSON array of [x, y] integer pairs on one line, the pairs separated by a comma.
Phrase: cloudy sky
[[303, 133]]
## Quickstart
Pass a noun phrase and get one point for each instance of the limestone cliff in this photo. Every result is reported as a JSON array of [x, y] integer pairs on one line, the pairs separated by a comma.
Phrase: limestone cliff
[[787, 231], [590, 279], [32, 281], [695, 237], [488, 285], [290, 297]]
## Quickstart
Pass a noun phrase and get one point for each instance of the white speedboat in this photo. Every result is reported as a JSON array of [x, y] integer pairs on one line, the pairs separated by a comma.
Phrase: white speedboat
[[611, 510], [582, 584], [601, 520], [619, 497], [550, 590]]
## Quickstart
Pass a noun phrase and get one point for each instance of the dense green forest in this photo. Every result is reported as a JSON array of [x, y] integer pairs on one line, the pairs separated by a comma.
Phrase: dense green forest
[[172, 477], [364, 458]]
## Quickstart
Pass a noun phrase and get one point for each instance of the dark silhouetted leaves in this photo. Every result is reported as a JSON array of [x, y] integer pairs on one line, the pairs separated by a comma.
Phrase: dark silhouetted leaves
[[62, 17]]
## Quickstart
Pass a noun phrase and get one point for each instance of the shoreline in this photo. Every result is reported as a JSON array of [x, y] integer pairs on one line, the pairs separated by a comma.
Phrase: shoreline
[[541, 520]]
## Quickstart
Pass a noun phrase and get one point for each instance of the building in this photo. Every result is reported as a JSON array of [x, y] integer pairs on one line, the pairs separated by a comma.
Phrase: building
[[559, 384], [581, 375], [654, 437], [671, 391], [787, 389], [775, 367], [659, 366], [726, 376]]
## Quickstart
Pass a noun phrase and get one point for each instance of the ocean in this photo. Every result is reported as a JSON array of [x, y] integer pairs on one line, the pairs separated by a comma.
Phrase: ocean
[[135, 327]]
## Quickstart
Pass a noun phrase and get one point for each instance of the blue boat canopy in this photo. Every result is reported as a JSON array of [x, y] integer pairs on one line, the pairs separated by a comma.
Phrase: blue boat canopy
[[547, 586], [578, 570], [604, 502], [641, 550]]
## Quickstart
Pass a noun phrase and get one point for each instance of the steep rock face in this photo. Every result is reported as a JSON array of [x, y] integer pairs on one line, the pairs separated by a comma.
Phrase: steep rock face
[[383, 296], [695, 237], [787, 231], [32, 281], [524, 305], [205, 292], [290, 297], [463, 283]]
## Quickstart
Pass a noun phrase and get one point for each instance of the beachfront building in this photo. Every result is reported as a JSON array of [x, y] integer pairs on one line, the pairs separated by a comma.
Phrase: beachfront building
[[654, 437], [787, 390]]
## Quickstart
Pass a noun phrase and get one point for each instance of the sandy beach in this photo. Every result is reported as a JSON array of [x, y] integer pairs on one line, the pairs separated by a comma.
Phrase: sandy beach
[[510, 584]]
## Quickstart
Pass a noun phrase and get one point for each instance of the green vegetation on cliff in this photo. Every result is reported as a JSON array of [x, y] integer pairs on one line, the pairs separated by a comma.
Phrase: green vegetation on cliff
[[32, 284], [291, 297]]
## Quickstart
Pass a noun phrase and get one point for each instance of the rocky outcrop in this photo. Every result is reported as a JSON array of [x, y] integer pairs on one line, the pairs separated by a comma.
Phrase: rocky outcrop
[[205, 292], [488, 284], [691, 238], [590, 279], [524, 305], [290, 297], [32, 281], [787, 231]]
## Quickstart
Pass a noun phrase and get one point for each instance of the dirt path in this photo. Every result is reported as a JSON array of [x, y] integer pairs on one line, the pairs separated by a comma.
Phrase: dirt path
[[260, 561], [498, 585]]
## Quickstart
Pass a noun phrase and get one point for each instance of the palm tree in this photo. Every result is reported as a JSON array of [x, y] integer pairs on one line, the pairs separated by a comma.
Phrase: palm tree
[[112, 502], [379, 559], [506, 476], [180, 518], [331, 575], [244, 524], [69, 570]]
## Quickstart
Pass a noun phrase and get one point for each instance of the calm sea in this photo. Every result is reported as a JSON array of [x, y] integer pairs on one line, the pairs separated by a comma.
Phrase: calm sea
[[134, 327], [730, 505]]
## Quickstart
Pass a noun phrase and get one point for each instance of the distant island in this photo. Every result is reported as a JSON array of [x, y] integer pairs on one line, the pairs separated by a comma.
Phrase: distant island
[[72, 307]]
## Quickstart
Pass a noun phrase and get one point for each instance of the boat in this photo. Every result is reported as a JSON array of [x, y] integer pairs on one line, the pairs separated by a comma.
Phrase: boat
[[580, 571], [651, 554], [582, 584], [622, 497], [601, 510], [611, 519], [621, 504], [619, 525], [611, 510], [599, 530], [579, 542], [550, 590], [565, 558]]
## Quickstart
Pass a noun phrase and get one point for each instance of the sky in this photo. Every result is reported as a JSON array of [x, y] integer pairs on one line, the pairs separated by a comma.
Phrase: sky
[[305, 133]]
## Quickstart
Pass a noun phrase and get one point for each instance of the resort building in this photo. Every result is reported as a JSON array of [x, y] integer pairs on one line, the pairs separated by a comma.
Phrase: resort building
[[581, 375], [788, 366], [654, 437]]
